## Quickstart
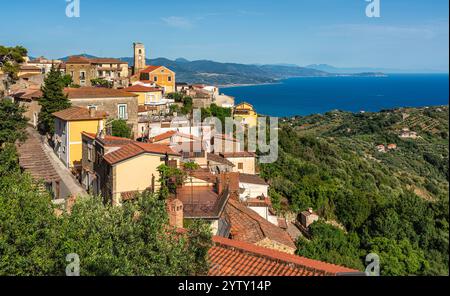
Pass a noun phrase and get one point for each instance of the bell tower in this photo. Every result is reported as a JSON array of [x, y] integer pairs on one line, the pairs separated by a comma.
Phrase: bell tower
[[139, 57]]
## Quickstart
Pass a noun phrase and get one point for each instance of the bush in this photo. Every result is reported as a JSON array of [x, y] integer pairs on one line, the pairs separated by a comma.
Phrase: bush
[[121, 129]]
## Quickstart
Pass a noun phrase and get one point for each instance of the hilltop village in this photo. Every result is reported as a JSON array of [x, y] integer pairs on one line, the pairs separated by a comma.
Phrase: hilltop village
[[221, 184]]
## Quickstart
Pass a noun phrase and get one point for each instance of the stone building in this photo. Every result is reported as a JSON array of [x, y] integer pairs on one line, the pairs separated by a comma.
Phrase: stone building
[[83, 70], [117, 103]]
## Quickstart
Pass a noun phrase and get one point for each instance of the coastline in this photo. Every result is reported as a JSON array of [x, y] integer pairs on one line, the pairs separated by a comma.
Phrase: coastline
[[248, 84]]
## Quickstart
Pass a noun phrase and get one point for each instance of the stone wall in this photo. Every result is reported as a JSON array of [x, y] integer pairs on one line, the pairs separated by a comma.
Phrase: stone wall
[[111, 105]]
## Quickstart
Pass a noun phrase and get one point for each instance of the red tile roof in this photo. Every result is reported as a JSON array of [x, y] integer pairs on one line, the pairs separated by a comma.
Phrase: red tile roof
[[136, 148], [28, 94], [96, 92], [252, 179], [75, 113], [238, 154], [219, 159], [141, 88], [107, 61], [163, 136], [78, 60], [170, 134], [33, 160], [109, 141], [85, 60], [150, 69], [142, 109], [249, 226], [234, 258]]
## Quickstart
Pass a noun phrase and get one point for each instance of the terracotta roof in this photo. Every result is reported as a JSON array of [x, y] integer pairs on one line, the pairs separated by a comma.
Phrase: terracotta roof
[[150, 69], [141, 88], [109, 141], [78, 60], [252, 179], [145, 108], [107, 61], [75, 113], [170, 134], [262, 201], [163, 136], [29, 68], [33, 160], [234, 258], [219, 159], [238, 154], [28, 94], [96, 92], [202, 202], [243, 103], [136, 148], [248, 226]]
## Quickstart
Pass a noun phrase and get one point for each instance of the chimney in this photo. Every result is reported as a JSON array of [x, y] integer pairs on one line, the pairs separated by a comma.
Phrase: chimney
[[92, 112], [101, 129], [175, 211]]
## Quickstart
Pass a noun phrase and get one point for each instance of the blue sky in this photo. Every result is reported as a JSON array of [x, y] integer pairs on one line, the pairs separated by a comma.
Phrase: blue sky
[[410, 34]]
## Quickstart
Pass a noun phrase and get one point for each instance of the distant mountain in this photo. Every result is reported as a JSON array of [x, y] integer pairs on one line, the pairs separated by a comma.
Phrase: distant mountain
[[210, 72], [336, 70], [82, 55]]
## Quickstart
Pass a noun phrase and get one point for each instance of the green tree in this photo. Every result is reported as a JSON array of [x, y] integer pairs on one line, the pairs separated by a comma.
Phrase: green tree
[[53, 100], [10, 59], [398, 257], [121, 129], [331, 244], [169, 178], [67, 80], [28, 227], [12, 122], [100, 82], [134, 239]]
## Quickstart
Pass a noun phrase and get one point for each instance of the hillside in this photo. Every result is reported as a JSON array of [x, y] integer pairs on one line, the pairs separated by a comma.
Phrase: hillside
[[210, 72], [394, 204]]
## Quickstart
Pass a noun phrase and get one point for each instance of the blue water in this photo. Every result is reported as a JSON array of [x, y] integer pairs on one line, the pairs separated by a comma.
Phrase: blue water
[[309, 95]]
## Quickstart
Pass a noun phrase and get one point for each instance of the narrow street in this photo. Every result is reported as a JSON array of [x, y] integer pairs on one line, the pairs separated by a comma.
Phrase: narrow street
[[70, 185]]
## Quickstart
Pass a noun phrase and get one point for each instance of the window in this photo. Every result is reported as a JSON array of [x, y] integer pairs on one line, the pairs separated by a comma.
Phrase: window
[[89, 154], [122, 110], [140, 51], [82, 75], [169, 78], [92, 107], [240, 166], [155, 78]]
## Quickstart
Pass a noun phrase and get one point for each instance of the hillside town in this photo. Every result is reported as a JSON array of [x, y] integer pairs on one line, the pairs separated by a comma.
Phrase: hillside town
[[221, 186]]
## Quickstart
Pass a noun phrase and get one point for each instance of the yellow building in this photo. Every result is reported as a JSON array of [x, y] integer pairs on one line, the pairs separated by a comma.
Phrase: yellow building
[[151, 96], [69, 124], [157, 75], [126, 167], [245, 113]]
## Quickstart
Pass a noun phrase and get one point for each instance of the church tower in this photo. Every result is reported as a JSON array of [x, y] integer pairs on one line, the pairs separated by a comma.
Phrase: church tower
[[139, 57]]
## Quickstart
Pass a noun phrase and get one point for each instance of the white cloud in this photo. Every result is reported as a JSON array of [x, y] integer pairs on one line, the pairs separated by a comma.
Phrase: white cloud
[[178, 22]]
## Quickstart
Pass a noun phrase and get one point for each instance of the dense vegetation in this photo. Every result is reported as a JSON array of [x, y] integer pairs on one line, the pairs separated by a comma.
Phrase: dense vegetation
[[120, 128], [394, 204], [135, 239]]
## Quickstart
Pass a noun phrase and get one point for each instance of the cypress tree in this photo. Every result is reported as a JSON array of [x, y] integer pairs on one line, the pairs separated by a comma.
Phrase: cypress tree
[[53, 99]]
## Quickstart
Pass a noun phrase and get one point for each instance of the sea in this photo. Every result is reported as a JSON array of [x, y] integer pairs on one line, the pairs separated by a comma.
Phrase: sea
[[311, 95]]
